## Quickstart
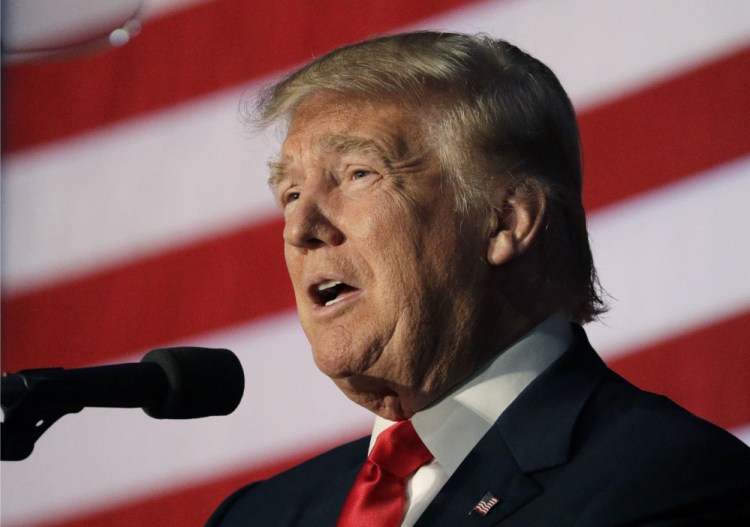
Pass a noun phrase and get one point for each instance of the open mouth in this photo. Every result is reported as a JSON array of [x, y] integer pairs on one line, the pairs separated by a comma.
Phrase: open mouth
[[329, 292]]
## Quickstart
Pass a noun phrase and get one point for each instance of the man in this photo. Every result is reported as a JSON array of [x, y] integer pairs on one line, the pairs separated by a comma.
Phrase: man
[[436, 241]]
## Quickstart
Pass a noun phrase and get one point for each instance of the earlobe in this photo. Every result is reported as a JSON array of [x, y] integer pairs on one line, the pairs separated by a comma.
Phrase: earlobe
[[516, 223]]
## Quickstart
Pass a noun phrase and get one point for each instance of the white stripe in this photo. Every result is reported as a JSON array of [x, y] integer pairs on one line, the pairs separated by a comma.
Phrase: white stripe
[[129, 190], [674, 259], [102, 457], [154, 183], [743, 433], [602, 49]]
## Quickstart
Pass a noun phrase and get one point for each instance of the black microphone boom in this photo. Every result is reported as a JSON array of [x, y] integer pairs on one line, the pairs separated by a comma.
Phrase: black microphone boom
[[169, 383]]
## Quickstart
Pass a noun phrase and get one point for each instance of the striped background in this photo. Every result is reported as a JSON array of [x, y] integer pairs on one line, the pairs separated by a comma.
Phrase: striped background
[[135, 215]]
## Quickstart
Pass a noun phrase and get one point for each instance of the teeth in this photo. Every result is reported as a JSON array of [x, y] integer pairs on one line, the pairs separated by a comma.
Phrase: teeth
[[330, 292], [328, 284], [331, 302]]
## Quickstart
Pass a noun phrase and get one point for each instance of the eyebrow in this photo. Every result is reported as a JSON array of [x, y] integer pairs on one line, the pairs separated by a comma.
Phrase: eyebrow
[[277, 166], [337, 143]]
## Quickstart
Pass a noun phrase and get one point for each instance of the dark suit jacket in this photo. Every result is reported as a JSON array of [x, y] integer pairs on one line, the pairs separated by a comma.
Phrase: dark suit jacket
[[579, 447]]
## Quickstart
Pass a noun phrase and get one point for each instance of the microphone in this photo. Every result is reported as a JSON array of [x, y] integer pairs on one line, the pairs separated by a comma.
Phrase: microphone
[[168, 383]]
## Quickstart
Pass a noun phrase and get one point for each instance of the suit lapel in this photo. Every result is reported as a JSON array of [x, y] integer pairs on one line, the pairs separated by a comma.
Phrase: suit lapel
[[490, 467], [538, 427], [533, 434], [326, 511]]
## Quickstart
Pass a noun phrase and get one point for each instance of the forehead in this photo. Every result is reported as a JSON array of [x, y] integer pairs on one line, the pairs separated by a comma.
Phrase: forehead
[[335, 123]]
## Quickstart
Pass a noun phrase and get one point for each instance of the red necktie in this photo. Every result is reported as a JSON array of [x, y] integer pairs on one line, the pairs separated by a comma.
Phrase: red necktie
[[379, 493]]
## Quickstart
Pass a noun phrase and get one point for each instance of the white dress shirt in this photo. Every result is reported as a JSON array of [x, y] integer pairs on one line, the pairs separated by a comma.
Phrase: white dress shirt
[[453, 426]]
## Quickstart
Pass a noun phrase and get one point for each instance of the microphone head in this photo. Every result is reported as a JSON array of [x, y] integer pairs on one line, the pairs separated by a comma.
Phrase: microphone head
[[200, 382]]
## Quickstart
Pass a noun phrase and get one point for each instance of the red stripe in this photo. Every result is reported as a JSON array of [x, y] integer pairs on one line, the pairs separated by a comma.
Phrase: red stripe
[[218, 283], [190, 53], [706, 370], [188, 506], [681, 126], [236, 277]]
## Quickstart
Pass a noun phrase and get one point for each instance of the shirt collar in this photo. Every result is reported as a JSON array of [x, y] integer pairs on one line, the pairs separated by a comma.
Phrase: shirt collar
[[453, 426]]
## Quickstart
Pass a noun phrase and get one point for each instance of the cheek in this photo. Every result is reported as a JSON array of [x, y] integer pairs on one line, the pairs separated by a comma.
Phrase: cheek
[[330, 351], [345, 349], [289, 259], [294, 269], [392, 229], [398, 268]]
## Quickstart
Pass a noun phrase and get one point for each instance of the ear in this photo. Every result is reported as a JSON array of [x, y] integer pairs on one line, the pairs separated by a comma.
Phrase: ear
[[518, 217]]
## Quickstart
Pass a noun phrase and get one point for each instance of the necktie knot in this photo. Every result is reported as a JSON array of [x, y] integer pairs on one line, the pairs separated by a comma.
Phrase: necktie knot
[[379, 492], [399, 450]]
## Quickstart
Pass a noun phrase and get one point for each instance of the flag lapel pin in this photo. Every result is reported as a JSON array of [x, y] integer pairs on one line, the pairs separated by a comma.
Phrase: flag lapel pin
[[485, 504]]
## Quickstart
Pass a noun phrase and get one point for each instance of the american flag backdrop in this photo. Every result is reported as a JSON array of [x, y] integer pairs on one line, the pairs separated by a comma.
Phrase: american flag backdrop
[[135, 215]]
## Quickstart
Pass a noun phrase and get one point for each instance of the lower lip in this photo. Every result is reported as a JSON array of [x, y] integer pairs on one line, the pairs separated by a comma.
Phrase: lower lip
[[346, 299]]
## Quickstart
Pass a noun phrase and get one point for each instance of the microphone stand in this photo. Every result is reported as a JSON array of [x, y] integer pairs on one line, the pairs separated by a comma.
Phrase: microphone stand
[[28, 412], [32, 400], [168, 383]]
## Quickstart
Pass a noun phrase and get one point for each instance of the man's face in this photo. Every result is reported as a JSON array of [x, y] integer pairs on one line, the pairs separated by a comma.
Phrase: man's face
[[390, 281]]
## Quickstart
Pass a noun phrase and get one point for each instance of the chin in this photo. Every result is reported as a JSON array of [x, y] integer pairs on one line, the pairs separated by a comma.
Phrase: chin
[[383, 402], [339, 356], [335, 365], [389, 408]]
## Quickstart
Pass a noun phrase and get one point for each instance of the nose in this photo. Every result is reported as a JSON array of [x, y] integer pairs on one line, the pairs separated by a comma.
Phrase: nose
[[310, 224]]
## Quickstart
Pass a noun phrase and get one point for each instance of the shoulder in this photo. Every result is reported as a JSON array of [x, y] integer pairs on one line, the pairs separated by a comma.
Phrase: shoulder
[[301, 491], [651, 424], [652, 456], [611, 411], [624, 454]]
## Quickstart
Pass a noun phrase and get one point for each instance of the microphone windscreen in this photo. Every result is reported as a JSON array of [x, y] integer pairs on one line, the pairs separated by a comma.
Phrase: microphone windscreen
[[200, 382]]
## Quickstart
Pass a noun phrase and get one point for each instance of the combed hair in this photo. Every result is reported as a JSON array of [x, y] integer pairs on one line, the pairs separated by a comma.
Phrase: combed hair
[[492, 112]]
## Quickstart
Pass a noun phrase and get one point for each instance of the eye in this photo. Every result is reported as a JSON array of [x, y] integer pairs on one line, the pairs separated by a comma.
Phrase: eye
[[288, 197], [359, 173]]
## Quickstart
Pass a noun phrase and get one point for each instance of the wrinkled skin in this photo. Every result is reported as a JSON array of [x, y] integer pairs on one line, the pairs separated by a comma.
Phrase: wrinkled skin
[[365, 204]]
